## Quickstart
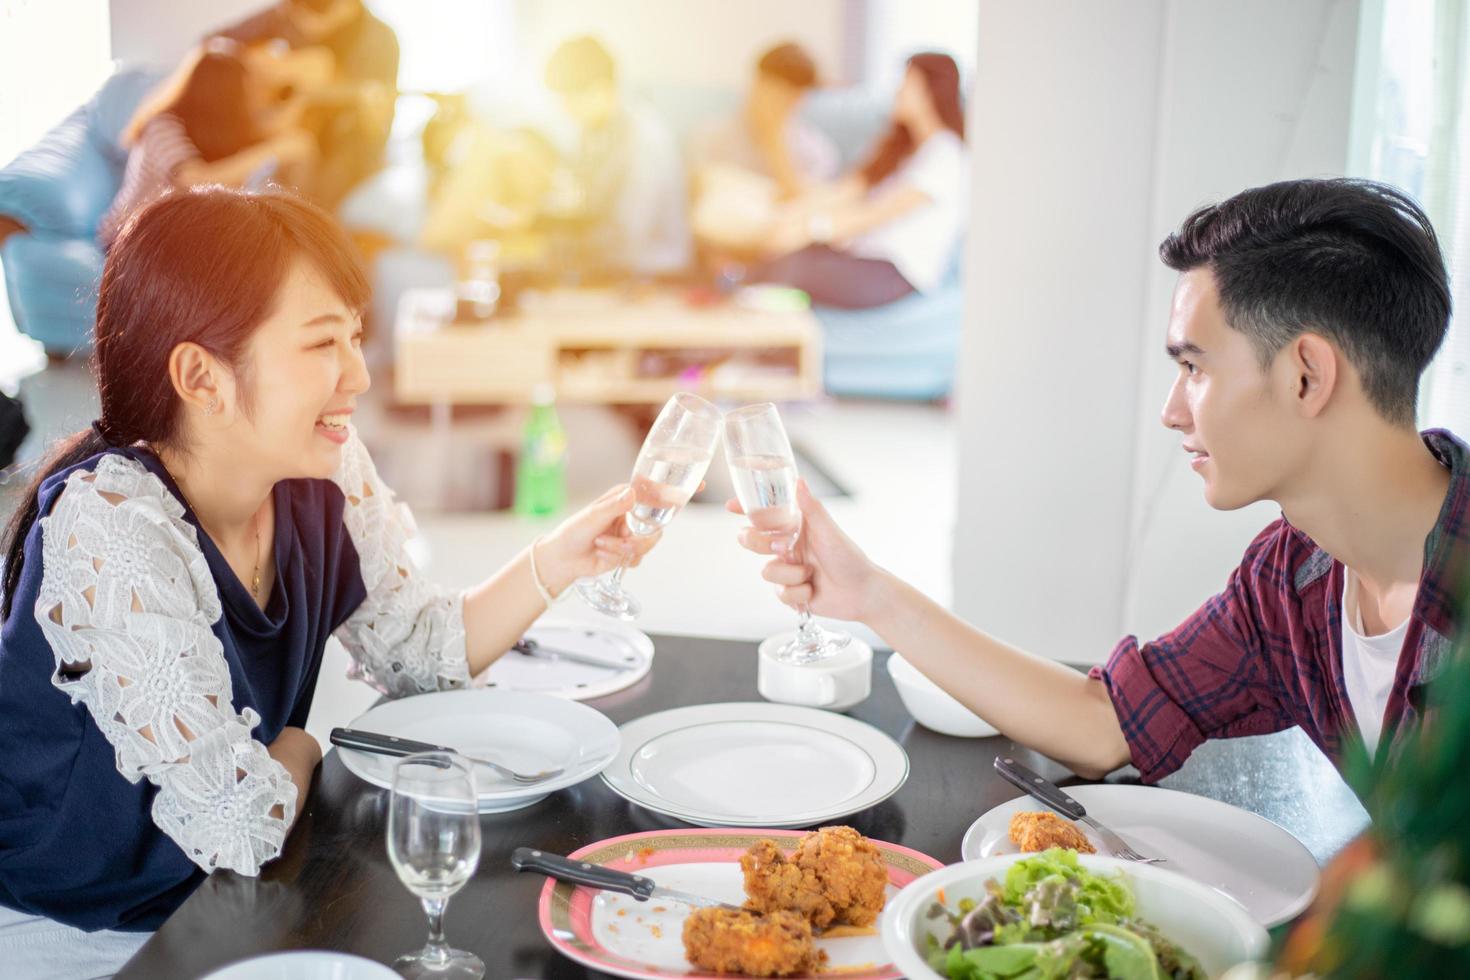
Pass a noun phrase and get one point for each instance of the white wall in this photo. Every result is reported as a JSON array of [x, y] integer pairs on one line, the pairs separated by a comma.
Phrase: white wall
[[1102, 123], [1286, 117], [160, 32], [897, 28], [703, 42]]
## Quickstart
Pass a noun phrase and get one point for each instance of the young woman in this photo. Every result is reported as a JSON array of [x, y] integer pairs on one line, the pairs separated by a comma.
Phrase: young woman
[[174, 572], [211, 122], [890, 228]]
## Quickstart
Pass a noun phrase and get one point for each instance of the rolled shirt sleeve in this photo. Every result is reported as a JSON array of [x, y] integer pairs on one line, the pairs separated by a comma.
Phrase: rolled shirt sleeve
[[1208, 678]]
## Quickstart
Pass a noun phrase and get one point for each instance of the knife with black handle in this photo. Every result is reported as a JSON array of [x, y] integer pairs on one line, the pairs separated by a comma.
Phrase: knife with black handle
[[1048, 792], [604, 878]]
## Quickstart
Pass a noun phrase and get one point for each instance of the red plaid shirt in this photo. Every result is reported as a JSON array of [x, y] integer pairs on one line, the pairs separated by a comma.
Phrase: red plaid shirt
[[1266, 653]]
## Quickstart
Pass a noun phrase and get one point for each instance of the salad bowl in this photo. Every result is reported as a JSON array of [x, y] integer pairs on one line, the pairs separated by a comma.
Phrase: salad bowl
[[1101, 905]]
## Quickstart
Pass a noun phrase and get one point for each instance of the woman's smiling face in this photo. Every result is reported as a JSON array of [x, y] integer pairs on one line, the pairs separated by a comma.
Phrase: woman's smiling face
[[302, 372]]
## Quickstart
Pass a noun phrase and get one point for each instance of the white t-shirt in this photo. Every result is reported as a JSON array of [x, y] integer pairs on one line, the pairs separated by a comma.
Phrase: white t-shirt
[[921, 243], [1369, 664]]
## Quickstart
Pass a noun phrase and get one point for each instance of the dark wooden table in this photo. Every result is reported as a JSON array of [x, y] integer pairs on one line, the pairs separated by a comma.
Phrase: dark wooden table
[[333, 887]]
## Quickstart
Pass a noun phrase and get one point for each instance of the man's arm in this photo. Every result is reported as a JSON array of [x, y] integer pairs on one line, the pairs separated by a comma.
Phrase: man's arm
[[1036, 701], [1041, 703]]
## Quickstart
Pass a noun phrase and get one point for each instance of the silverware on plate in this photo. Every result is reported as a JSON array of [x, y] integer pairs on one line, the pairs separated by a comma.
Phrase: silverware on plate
[[606, 879], [379, 744], [1052, 795], [532, 648]]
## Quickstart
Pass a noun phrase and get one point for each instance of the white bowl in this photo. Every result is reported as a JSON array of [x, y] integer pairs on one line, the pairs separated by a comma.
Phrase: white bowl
[[311, 964], [1212, 927], [931, 706]]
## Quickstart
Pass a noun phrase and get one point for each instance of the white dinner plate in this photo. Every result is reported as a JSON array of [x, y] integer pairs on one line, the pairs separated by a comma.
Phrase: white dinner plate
[[1234, 851], [755, 764], [527, 732], [613, 642], [309, 964]]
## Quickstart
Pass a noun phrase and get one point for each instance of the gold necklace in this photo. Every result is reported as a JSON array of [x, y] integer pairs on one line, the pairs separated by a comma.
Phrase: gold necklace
[[255, 579], [255, 575]]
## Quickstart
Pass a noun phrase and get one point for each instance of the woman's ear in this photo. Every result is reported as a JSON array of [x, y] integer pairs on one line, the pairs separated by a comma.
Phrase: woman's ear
[[197, 376], [1315, 363]]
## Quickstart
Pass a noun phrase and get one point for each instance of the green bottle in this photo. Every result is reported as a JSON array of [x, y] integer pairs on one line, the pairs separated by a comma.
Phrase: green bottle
[[541, 474]]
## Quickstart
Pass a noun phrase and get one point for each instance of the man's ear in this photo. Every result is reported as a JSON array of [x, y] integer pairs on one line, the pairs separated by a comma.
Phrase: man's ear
[[1315, 365]]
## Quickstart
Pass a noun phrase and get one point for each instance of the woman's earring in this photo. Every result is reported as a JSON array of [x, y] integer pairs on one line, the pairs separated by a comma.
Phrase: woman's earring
[[209, 409]]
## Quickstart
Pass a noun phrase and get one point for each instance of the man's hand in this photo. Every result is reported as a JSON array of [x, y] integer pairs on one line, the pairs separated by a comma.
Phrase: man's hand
[[826, 572]]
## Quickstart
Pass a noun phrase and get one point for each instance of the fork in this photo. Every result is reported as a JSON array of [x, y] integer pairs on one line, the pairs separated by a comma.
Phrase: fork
[[351, 738], [1052, 795]]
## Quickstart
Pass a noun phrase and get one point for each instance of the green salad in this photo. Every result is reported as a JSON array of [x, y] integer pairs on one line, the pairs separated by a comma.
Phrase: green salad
[[1055, 920]]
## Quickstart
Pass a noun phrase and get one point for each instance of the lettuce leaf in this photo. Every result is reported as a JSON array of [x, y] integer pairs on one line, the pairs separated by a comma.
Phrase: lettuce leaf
[[1099, 898]]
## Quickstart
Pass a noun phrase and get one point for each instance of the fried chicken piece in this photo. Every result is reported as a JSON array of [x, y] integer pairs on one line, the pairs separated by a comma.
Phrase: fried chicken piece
[[722, 941], [835, 875], [1036, 831]]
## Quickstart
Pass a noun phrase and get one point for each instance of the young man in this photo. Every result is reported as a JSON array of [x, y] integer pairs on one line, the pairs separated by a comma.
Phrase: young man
[[746, 162], [1304, 314], [767, 135], [627, 166], [351, 94]]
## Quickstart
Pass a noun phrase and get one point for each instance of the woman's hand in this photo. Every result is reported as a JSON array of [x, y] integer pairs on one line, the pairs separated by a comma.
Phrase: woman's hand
[[300, 753], [827, 572], [594, 540]]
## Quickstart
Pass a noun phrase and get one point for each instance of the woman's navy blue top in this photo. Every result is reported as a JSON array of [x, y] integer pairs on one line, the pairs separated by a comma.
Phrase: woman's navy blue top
[[77, 842]]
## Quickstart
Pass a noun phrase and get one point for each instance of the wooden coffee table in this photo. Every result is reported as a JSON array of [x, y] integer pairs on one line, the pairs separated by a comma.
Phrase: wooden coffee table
[[603, 347]]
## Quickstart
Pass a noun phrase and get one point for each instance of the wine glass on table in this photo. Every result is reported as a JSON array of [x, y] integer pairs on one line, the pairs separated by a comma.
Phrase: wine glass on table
[[434, 846], [669, 469], [763, 469]]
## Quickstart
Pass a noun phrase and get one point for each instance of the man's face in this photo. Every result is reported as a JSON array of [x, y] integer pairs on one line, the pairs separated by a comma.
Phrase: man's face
[[771, 99], [1237, 419], [593, 106]]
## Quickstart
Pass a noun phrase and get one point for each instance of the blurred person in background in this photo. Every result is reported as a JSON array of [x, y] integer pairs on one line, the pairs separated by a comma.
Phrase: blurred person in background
[[208, 123], [494, 185], [344, 62], [627, 190], [891, 227], [744, 163]]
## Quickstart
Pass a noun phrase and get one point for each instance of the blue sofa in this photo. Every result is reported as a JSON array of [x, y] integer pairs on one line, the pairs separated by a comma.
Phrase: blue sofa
[[51, 198]]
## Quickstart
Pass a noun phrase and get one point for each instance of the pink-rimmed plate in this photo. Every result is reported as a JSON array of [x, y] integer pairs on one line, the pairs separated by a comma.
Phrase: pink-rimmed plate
[[644, 940]]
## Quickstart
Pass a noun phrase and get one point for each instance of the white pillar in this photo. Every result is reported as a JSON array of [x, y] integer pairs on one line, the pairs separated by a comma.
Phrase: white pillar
[[1095, 127]]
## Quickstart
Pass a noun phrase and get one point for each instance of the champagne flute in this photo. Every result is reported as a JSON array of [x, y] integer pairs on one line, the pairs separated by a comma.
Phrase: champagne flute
[[669, 469], [763, 470], [434, 845]]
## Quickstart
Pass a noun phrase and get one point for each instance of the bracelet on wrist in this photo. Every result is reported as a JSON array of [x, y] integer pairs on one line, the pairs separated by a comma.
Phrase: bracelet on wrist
[[541, 588]]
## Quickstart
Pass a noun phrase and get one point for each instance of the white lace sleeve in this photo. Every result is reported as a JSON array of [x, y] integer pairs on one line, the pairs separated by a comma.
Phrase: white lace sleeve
[[126, 602], [407, 637]]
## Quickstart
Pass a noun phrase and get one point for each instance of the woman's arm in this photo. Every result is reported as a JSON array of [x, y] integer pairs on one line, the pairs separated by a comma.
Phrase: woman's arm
[[300, 753], [844, 220], [290, 146], [411, 636], [822, 198], [594, 540], [137, 650]]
